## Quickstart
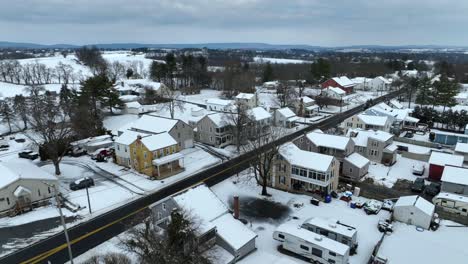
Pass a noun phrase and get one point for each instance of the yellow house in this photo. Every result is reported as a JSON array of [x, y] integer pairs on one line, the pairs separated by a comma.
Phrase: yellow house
[[156, 155]]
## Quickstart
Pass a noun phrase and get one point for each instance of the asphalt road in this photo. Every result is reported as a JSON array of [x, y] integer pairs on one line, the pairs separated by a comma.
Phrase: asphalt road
[[87, 235]]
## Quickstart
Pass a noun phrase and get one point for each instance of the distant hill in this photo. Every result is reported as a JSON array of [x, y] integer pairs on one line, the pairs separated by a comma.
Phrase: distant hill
[[233, 45]]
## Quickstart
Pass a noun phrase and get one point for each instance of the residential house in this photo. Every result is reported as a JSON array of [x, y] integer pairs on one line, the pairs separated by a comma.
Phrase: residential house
[[439, 160], [152, 124], [138, 87], [156, 155], [215, 130], [132, 108], [24, 186], [333, 145], [220, 105], [362, 83], [334, 92], [414, 210], [285, 117], [122, 147], [462, 150], [342, 82], [455, 180], [260, 122], [271, 85], [305, 106], [398, 118], [375, 145], [300, 170], [355, 166], [380, 83], [248, 99], [92, 144], [395, 104], [365, 121], [217, 226]]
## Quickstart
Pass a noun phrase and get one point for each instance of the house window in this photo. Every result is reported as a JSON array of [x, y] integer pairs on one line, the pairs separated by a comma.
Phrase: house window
[[282, 179], [164, 206], [211, 139], [332, 253], [8, 200], [48, 189], [159, 215], [306, 248], [118, 146], [350, 169], [331, 261], [211, 129], [317, 252], [178, 135], [145, 164], [144, 154], [38, 192], [125, 149], [281, 236]]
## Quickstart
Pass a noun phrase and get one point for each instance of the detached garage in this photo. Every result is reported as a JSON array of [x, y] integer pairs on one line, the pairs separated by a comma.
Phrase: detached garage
[[439, 160], [414, 210]]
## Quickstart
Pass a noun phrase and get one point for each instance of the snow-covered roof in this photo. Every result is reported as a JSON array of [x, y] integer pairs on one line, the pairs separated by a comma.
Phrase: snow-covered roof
[[343, 81], [306, 99], [219, 119], [362, 136], [411, 119], [392, 147], [271, 83], [458, 175], [359, 80], [384, 80], [452, 196], [259, 113], [20, 190], [247, 96], [128, 98], [158, 141], [286, 112], [328, 140], [357, 160], [332, 225], [128, 136], [151, 124], [311, 237], [14, 171], [217, 101], [168, 158], [335, 90], [134, 105], [373, 120], [89, 140], [442, 159], [396, 104], [305, 159], [234, 232], [312, 107], [416, 201], [461, 147]]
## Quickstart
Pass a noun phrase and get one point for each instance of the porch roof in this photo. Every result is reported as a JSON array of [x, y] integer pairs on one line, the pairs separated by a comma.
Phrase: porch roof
[[167, 159], [21, 191]]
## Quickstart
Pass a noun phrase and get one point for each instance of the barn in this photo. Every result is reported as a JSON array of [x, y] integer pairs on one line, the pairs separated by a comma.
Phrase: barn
[[414, 210], [439, 160], [342, 82]]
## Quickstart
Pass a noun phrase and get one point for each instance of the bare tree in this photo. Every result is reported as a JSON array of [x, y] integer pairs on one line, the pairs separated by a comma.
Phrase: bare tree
[[177, 244], [285, 95], [115, 71], [238, 118], [173, 100], [50, 130], [7, 113]]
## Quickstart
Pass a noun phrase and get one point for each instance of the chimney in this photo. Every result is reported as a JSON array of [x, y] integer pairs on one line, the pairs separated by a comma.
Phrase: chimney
[[236, 207]]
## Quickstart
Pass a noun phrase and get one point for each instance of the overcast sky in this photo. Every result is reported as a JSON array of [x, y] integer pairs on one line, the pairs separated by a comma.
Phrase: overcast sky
[[313, 22]]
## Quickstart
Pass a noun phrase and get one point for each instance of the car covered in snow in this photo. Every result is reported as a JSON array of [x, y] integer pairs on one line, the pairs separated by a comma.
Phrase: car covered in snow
[[28, 154], [82, 183], [388, 205], [418, 185], [418, 169], [372, 207]]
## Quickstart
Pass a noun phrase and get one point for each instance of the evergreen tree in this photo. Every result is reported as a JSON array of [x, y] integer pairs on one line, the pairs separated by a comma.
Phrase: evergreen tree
[[445, 91], [66, 97], [320, 70], [129, 73], [424, 96], [267, 73]]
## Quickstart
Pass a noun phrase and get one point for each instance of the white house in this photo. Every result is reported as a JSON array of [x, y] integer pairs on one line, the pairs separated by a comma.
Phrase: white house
[[414, 210], [247, 99], [362, 83], [221, 105], [271, 85], [462, 150], [366, 121], [380, 83], [285, 117], [23, 186], [455, 180], [133, 108], [334, 92]]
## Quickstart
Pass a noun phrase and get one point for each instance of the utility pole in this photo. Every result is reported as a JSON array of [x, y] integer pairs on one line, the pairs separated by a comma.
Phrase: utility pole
[[89, 202], [62, 219]]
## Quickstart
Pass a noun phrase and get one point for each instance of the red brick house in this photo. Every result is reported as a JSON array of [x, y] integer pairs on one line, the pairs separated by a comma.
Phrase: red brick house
[[342, 82], [439, 160]]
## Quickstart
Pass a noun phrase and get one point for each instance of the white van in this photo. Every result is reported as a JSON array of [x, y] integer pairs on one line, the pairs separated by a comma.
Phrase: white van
[[451, 202], [310, 245]]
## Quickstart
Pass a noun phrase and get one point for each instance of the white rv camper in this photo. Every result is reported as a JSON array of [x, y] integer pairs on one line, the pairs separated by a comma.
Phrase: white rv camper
[[334, 230], [451, 202], [310, 245]]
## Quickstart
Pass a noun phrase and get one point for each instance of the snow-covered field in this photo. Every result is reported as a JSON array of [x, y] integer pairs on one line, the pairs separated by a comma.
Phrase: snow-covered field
[[262, 60]]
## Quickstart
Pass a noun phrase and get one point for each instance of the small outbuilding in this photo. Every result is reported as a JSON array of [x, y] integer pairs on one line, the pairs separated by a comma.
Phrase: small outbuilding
[[439, 160], [455, 180], [414, 210], [355, 166], [462, 149]]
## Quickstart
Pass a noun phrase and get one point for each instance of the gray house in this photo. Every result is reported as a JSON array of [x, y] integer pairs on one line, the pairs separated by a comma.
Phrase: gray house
[[375, 145], [355, 166], [151, 124], [333, 145], [455, 180], [214, 130], [217, 226]]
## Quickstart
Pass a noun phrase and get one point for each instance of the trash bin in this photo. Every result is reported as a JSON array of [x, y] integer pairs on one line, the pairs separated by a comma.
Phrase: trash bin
[[314, 201], [352, 205], [328, 199]]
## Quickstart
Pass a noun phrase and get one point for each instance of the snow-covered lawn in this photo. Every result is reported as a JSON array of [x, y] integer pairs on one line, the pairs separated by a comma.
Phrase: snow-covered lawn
[[389, 175]]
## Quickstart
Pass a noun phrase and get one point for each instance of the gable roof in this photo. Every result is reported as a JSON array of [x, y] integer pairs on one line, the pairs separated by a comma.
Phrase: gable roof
[[158, 141], [219, 119], [343, 81], [442, 159], [217, 101], [328, 140], [461, 147], [286, 112], [384, 80], [306, 99], [247, 96], [360, 136], [335, 90], [13, 171], [357, 160], [416, 201], [151, 124], [305, 159], [259, 113], [373, 120], [458, 175], [128, 136]]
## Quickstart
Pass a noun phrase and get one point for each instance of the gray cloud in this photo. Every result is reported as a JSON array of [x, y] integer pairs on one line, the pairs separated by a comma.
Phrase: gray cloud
[[315, 22]]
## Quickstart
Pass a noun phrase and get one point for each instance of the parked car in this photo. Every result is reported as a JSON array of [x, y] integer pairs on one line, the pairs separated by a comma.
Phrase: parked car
[[28, 154], [432, 189], [388, 205], [385, 226], [82, 183], [372, 207], [418, 185], [418, 169], [409, 134], [77, 152]]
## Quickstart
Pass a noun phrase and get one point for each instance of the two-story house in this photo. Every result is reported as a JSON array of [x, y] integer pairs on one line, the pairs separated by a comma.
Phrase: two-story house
[[364, 121], [380, 83], [260, 121], [375, 145], [285, 117], [151, 124], [219, 105], [338, 146], [215, 130], [300, 170]]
